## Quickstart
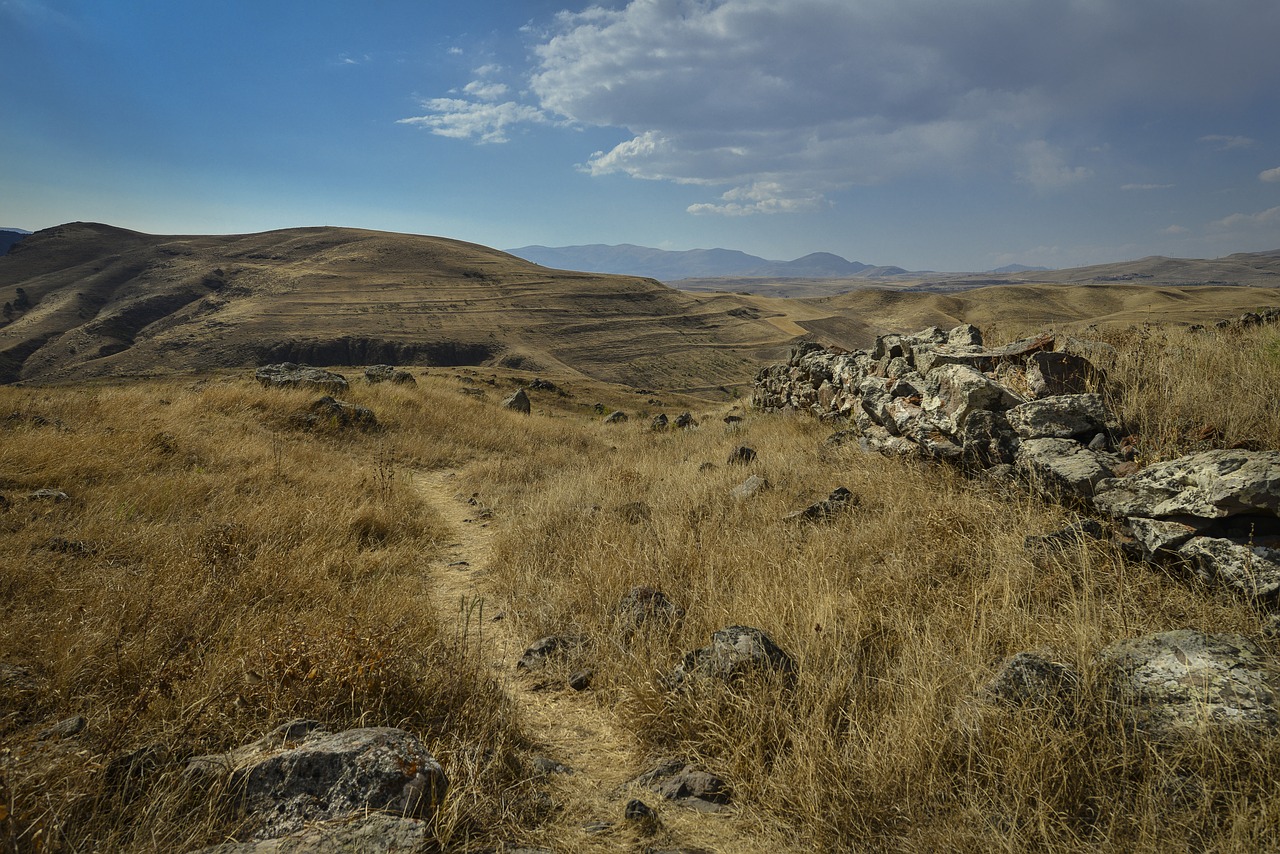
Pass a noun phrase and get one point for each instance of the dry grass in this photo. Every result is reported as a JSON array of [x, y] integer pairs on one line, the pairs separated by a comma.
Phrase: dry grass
[[216, 572]]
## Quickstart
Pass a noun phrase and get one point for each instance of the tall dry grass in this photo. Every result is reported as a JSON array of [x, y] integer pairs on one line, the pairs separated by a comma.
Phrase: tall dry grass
[[216, 571]]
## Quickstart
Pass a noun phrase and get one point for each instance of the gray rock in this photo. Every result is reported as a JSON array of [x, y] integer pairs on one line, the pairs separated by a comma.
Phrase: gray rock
[[640, 814], [962, 390], [517, 402], [1031, 679], [54, 495], [616, 417], [1051, 374], [1160, 537], [1209, 485], [741, 456], [540, 651], [659, 422], [581, 679], [687, 785], [374, 834], [647, 607], [1186, 682], [987, 439], [65, 728], [1251, 571], [329, 413], [289, 375], [386, 373], [735, 653], [839, 501], [545, 766], [301, 774], [749, 488], [1066, 416], [685, 421], [732, 420], [967, 335], [1062, 466]]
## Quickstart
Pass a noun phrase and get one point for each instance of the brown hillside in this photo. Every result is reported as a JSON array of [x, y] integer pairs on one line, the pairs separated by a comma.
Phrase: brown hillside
[[106, 301]]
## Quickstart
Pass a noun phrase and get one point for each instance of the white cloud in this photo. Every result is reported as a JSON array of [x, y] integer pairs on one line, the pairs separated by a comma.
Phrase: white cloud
[[815, 96], [488, 70], [484, 122], [455, 51], [485, 91], [1175, 229], [1226, 143], [1270, 175], [1262, 218], [763, 197], [1146, 186], [1045, 168]]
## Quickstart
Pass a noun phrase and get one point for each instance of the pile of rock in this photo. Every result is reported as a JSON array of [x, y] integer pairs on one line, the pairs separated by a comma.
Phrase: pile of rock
[[945, 396]]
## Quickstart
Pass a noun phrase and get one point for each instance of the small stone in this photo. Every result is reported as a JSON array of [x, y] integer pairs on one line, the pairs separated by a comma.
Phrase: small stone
[[517, 402], [741, 456], [581, 680], [749, 488], [659, 422], [54, 495], [546, 766], [685, 421], [64, 728], [643, 815], [839, 501], [616, 417]]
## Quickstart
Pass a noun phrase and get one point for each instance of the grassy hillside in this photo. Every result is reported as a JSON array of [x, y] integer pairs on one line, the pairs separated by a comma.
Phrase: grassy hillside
[[216, 570], [107, 302]]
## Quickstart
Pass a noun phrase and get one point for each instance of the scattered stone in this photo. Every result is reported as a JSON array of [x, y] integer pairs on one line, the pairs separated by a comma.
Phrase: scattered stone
[[537, 654], [54, 495], [378, 833], [685, 421], [707, 466], [642, 815], [1031, 679], [1067, 416], [65, 728], [546, 766], [733, 420], [659, 422], [1186, 682], [967, 336], [839, 501], [581, 680], [616, 417], [331, 414], [386, 373], [741, 456], [647, 607], [687, 785], [300, 774], [540, 384], [735, 653], [1160, 537], [289, 375], [749, 488], [517, 402], [1100, 443]]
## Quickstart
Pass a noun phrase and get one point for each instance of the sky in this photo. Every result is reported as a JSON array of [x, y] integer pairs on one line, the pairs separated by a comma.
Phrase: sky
[[931, 134]]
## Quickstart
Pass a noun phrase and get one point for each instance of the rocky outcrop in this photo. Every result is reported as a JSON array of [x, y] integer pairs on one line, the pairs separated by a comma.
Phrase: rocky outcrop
[[290, 375], [945, 396], [300, 774], [386, 373]]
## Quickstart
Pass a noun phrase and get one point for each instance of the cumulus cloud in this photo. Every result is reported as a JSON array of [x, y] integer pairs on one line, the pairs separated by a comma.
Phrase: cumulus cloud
[[1226, 143], [485, 91], [763, 197], [814, 96], [1270, 176], [484, 122], [1237, 220]]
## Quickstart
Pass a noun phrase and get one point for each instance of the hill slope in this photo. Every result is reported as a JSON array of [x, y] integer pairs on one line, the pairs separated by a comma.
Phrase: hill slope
[[108, 301]]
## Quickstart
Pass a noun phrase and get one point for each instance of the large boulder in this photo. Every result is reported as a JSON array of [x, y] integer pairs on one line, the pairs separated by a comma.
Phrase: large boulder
[[962, 390], [289, 375], [987, 439], [1066, 416], [1062, 466], [517, 402], [1209, 485], [735, 653], [1031, 679], [375, 834], [300, 774], [1186, 682], [1050, 374], [1252, 571]]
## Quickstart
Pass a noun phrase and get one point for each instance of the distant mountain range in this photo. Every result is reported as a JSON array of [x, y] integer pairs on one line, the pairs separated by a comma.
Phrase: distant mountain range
[[10, 236], [666, 266]]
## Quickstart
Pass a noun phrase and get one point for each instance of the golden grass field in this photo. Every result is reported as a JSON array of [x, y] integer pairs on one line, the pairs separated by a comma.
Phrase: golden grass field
[[215, 571]]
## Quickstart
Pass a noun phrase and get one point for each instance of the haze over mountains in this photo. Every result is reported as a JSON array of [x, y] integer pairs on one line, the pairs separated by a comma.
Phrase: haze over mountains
[[90, 300], [10, 236], [668, 266]]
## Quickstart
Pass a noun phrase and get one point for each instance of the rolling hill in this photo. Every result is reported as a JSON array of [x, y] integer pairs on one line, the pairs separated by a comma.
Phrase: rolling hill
[[99, 301]]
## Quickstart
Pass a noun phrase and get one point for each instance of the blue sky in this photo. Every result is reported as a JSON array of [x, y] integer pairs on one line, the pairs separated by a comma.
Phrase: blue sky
[[933, 134]]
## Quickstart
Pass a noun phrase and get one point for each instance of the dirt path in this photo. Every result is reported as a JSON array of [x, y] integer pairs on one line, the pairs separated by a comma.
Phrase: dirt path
[[573, 728]]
